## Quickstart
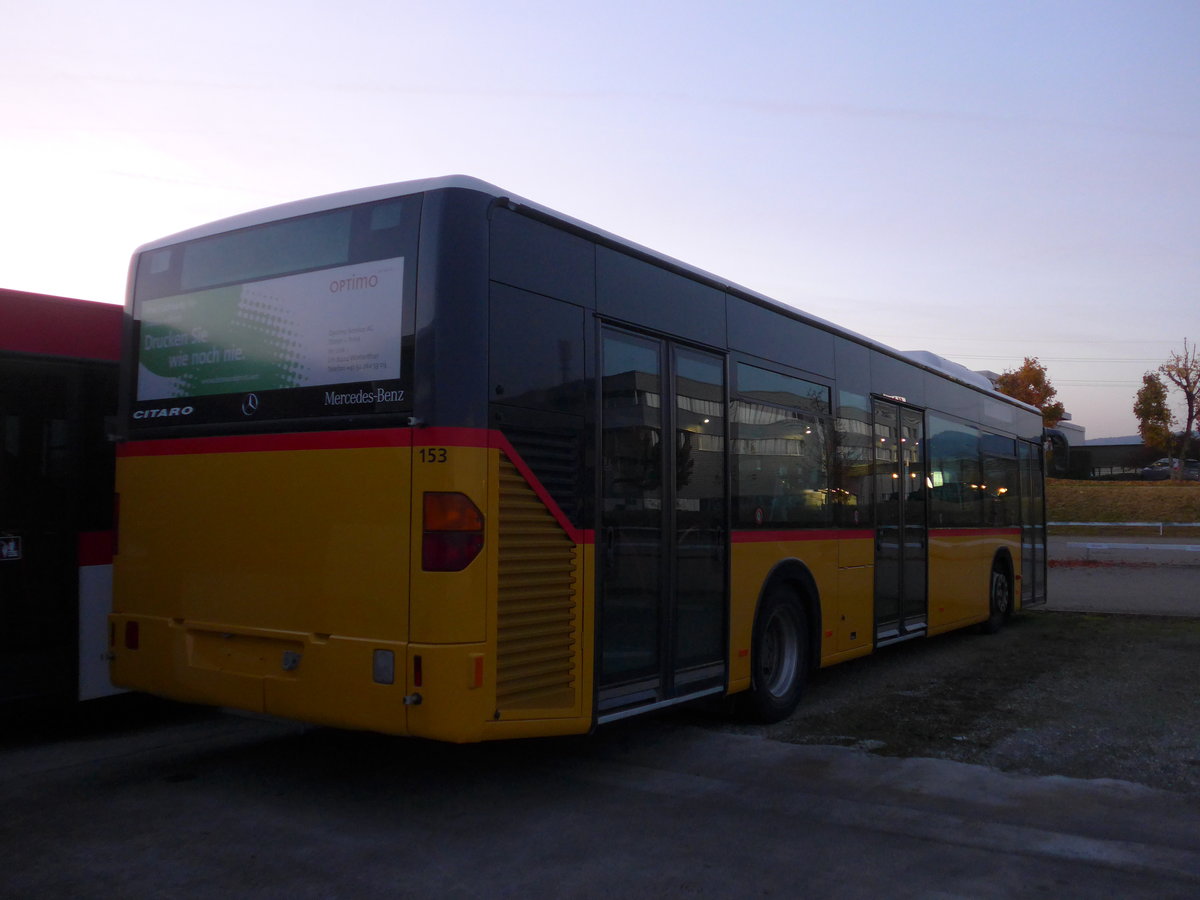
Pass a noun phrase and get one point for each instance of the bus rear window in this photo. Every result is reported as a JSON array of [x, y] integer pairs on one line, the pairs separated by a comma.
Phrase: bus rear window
[[308, 243], [303, 317]]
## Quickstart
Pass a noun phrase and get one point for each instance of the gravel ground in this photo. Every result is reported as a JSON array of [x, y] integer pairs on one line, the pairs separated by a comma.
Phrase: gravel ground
[[1054, 693]]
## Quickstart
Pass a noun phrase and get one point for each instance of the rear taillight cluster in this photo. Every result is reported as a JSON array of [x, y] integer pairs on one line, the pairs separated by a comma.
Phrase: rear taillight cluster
[[452, 532]]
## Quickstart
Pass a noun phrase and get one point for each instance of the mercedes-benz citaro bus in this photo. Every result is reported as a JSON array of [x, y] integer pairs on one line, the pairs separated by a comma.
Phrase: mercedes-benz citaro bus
[[432, 459]]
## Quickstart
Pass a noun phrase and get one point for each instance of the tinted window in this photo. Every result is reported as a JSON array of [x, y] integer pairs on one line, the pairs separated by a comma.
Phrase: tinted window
[[638, 291], [955, 478], [543, 259], [781, 466], [850, 477], [536, 351], [784, 390], [1001, 491], [775, 335]]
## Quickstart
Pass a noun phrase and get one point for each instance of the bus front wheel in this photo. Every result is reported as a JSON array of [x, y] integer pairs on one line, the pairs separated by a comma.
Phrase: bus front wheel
[[779, 657]]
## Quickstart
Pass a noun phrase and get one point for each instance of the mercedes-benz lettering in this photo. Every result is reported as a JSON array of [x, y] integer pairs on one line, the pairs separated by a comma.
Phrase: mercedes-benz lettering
[[378, 395]]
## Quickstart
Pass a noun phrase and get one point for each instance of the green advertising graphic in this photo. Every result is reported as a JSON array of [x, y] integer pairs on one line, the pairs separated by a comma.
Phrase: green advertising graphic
[[333, 326]]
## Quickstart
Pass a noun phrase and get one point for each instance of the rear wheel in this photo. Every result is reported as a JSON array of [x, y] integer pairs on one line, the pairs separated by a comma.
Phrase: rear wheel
[[999, 600], [779, 657]]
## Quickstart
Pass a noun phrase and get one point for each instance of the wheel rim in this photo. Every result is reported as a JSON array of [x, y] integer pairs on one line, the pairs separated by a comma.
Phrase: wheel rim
[[999, 593], [781, 653]]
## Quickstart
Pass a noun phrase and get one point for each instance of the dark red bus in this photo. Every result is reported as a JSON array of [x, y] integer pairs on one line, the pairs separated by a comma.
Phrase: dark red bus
[[58, 386]]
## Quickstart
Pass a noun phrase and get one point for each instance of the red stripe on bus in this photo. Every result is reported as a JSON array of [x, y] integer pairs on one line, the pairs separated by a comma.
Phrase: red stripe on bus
[[260, 443], [451, 437], [974, 532], [310, 440], [347, 440], [96, 548], [577, 535], [802, 534]]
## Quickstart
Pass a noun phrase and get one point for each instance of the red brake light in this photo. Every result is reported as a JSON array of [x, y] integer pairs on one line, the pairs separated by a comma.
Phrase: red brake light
[[449, 551]]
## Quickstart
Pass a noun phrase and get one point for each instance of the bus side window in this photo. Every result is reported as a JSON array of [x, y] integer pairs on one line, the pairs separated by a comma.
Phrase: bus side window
[[536, 351]]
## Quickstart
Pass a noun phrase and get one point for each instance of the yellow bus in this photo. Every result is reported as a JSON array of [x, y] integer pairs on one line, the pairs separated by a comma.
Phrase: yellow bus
[[432, 459]]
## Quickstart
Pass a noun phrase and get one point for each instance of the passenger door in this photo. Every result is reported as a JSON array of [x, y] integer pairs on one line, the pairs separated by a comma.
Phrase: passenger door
[[901, 538], [662, 544]]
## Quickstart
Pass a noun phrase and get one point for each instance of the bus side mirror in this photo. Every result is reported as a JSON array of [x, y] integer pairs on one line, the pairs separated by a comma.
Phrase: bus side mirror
[[1058, 452]]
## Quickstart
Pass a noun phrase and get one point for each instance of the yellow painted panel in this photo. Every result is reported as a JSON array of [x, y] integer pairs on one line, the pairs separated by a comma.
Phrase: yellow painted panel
[[448, 711], [956, 590], [451, 607], [310, 541], [540, 618], [856, 608], [163, 650], [252, 655], [327, 681], [854, 552], [586, 660], [334, 685], [752, 562], [959, 569]]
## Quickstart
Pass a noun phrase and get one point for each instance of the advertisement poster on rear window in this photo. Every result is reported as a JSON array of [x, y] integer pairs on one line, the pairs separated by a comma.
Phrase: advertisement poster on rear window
[[329, 327]]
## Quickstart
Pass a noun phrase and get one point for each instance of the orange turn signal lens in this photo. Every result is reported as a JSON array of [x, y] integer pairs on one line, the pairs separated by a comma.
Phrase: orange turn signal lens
[[445, 511]]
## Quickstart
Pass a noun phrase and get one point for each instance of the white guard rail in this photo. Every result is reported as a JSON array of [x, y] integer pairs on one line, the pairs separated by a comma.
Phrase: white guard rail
[[1159, 525]]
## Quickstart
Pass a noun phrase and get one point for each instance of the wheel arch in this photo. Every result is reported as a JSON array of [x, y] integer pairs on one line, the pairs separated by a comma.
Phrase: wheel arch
[[1002, 560], [1002, 564], [795, 576]]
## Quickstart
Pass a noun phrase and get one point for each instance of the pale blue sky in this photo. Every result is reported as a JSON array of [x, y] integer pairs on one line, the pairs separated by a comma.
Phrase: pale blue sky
[[986, 180]]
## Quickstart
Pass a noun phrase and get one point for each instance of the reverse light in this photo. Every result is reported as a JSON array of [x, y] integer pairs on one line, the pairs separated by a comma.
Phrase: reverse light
[[383, 667], [452, 532]]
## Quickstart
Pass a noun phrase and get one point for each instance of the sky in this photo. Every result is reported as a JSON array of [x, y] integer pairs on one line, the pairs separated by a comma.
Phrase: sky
[[983, 180]]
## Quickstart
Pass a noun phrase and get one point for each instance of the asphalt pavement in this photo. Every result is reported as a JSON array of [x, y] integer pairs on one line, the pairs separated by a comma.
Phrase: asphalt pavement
[[223, 806]]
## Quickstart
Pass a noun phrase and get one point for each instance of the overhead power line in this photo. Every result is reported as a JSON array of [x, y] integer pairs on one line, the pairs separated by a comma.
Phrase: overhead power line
[[1103, 359]]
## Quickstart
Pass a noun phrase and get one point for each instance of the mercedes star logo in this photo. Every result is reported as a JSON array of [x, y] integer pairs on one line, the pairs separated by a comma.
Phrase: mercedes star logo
[[250, 404]]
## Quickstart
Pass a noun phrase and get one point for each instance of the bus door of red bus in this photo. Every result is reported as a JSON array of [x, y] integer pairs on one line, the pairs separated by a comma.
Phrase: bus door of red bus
[[38, 528], [901, 537], [662, 544]]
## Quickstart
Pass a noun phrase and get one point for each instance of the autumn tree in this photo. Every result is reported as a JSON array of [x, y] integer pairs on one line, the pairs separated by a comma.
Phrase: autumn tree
[[1029, 384], [1182, 370], [1153, 414]]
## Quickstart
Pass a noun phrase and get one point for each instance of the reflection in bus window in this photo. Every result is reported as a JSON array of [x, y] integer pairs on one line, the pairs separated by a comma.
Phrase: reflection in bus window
[[1001, 482], [955, 478], [850, 468], [782, 461]]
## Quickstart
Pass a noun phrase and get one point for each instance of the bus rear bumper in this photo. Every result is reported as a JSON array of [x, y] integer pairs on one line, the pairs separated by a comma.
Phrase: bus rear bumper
[[444, 692], [324, 679]]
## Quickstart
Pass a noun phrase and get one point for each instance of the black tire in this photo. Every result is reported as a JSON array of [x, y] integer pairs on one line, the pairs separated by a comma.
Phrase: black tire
[[999, 600], [778, 658]]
